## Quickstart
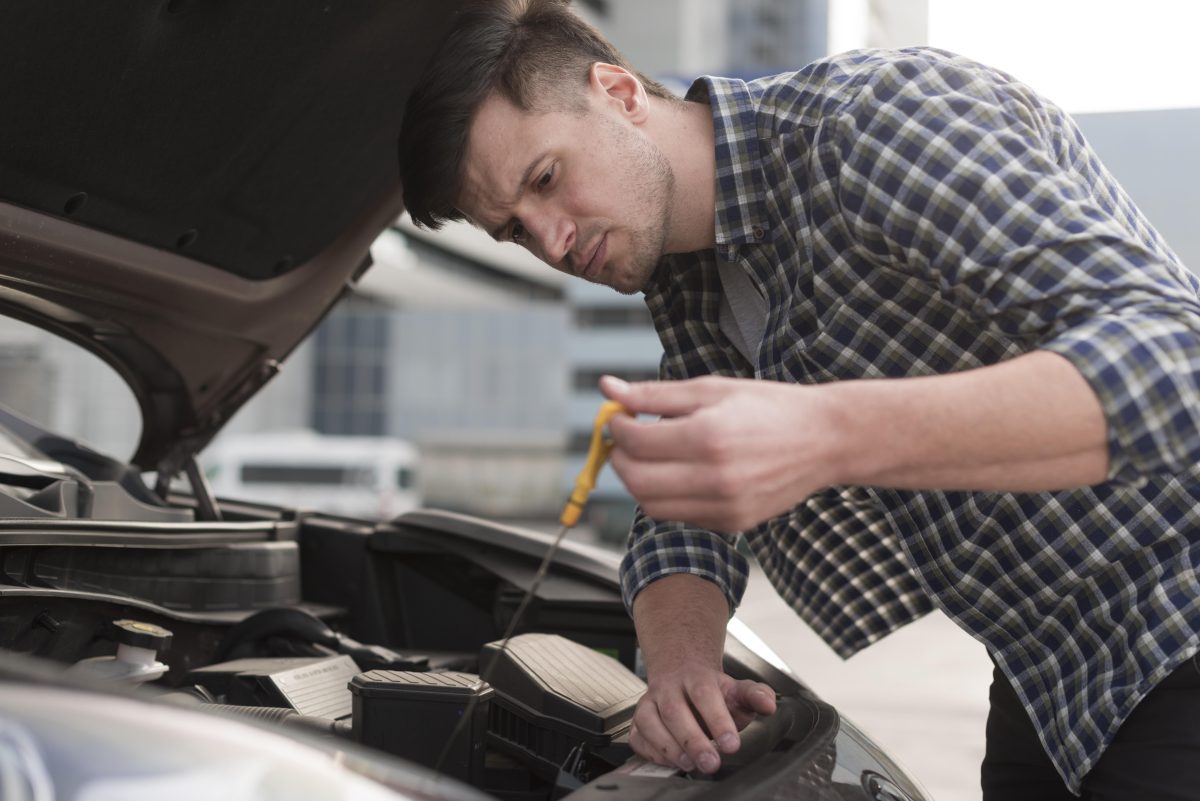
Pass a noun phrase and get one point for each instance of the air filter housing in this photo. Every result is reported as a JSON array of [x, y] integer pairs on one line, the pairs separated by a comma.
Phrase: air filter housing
[[553, 695]]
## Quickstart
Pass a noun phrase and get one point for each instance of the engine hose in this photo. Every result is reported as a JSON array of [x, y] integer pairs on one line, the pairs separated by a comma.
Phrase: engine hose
[[283, 620], [287, 621]]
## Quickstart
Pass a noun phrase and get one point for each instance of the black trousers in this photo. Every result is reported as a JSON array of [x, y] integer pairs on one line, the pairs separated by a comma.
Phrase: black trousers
[[1155, 755]]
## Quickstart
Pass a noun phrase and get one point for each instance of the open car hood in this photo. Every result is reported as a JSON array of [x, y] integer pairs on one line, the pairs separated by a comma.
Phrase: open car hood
[[187, 187]]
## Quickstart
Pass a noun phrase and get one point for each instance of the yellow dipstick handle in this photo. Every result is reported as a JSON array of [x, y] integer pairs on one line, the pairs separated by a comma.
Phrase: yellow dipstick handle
[[597, 456]]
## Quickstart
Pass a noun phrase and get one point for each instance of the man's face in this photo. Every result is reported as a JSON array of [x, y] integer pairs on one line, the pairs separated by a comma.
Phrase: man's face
[[586, 192]]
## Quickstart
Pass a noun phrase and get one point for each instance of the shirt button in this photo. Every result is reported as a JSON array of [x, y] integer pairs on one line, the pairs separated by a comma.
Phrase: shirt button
[[758, 232]]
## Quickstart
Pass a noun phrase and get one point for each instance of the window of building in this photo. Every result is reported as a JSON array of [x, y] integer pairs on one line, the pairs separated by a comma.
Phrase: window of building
[[350, 375]]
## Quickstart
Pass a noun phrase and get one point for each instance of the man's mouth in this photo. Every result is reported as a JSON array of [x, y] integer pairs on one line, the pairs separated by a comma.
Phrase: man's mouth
[[596, 262]]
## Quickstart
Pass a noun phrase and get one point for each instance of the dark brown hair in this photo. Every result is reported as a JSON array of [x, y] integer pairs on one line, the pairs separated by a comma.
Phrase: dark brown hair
[[535, 53]]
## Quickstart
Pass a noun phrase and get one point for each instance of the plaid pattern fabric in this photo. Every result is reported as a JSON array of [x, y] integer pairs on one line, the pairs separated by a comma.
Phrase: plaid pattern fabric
[[915, 213]]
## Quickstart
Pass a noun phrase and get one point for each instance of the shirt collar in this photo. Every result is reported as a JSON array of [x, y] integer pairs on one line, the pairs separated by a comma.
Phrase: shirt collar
[[741, 211]]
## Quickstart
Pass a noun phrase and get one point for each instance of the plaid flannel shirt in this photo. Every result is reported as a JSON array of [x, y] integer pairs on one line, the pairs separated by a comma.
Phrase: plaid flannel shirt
[[915, 213]]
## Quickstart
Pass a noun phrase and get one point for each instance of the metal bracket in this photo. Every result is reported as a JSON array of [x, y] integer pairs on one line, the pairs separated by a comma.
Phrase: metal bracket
[[206, 504]]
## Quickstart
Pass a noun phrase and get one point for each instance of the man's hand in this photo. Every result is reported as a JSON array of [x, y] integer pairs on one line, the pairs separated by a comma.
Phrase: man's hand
[[732, 452], [728, 453], [667, 723], [689, 702]]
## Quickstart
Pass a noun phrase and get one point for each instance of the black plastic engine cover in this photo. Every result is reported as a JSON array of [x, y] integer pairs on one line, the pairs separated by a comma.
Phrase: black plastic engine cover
[[232, 576], [563, 685], [414, 714]]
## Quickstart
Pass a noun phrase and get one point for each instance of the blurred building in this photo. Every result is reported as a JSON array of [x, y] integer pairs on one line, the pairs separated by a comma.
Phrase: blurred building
[[454, 345], [666, 38], [678, 40], [770, 36], [66, 389]]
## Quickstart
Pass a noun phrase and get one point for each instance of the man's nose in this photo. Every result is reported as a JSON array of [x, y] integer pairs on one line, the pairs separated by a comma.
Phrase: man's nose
[[555, 235]]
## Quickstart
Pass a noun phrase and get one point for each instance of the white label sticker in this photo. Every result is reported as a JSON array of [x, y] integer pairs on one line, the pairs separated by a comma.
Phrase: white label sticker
[[640, 767]]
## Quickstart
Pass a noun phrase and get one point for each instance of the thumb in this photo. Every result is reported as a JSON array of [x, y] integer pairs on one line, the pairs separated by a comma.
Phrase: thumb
[[751, 695]]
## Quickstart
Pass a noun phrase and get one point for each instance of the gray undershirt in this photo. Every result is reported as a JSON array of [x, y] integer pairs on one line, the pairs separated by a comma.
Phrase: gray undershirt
[[743, 316]]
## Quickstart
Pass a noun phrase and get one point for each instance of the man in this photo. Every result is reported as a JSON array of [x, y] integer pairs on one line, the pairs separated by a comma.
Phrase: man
[[922, 350]]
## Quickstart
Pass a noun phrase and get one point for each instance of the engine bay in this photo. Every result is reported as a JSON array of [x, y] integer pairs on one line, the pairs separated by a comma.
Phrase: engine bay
[[384, 638], [275, 616], [226, 619]]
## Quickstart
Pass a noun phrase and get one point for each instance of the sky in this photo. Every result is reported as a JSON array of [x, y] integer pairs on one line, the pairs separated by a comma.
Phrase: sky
[[1086, 55]]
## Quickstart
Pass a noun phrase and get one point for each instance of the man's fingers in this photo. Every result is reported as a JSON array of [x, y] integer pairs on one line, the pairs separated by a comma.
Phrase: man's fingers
[[679, 718], [711, 705], [667, 478], [748, 699], [665, 398], [751, 695], [657, 742], [678, 438], [651, 739], [676, 714]]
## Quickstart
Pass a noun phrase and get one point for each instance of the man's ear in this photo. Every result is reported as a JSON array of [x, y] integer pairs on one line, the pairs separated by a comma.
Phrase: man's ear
[[619, 86]]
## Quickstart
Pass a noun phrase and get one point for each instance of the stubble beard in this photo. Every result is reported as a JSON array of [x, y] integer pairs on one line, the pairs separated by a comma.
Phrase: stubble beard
[[650, 179]]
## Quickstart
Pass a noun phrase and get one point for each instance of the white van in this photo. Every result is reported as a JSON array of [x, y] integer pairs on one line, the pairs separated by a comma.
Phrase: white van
[[358, 476]]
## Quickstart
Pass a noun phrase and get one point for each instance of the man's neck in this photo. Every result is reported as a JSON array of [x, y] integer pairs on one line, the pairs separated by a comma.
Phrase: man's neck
[[684, 133]]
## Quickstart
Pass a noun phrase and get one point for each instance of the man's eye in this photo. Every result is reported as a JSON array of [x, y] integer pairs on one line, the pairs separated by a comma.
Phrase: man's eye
[[517, 233], [544, 181]]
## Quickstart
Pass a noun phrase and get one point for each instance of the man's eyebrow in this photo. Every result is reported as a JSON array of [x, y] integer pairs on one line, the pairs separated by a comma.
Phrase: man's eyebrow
[[520, 191]]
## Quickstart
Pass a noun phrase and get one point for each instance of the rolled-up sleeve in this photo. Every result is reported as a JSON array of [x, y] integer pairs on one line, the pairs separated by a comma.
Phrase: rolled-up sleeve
[[662, 549], [990, 193]]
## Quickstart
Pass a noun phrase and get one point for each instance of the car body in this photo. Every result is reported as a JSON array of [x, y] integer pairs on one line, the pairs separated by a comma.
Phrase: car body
[[186, 189]]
